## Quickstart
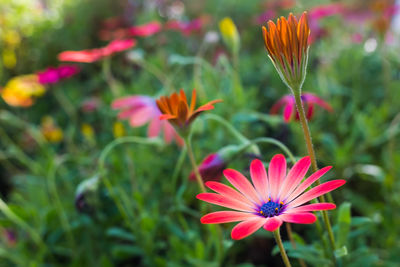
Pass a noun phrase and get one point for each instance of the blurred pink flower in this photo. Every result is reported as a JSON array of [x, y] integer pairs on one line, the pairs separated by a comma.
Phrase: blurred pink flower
[[211, 168], [90, 104], [289, 106], [145, 30], [187, 27], [327, 10], [92, 55], [266, 16], [54, 75], [140, 110]]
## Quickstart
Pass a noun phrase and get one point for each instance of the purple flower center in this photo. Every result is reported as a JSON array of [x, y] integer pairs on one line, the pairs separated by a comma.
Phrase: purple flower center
[[270, 209]]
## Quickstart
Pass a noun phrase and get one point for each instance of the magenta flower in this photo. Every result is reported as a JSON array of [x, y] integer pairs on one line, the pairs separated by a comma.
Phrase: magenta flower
[[272, 199], [140, 110], [211, 168], [289, 106], [145, 30], [53, 75]]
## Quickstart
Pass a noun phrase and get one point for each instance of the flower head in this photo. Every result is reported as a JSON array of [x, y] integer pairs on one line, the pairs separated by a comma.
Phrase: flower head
[[287, 46], [50, 130], [140, 110], [230, 34], [289, 106], [271, 199], [21, 91], [211, 168], [145, 30], [175, 109], [92, 55], [54, 75]]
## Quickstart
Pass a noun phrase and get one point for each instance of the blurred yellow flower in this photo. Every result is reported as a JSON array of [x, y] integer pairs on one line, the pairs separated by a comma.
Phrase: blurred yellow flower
[[9, 58], [118, 129], [20, 91], [51, 131], [11, 38], [230, 34], [88, 132]]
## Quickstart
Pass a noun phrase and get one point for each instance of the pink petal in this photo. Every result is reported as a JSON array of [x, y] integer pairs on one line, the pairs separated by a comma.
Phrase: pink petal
[[141, 116], [319, 101], [260, 179], [312, 207], [154, 128], [276, 174], [305, 218], [228, 191], [169, 132], [288, 111], [226, 216], [242, 184], [316, 192], [309, 181], [276, 107], [272, 224], [294, 177], [224, 201], [131, 102], [246, 228]]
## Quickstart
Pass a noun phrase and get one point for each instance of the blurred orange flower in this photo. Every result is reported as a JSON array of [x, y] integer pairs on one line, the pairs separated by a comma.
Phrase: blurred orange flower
[[93, 55], [51, 131], [175, 108], [21, 91], [287, 46]]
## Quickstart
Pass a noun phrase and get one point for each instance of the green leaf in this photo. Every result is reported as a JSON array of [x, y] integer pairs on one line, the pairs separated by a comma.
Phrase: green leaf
[[344, 221]]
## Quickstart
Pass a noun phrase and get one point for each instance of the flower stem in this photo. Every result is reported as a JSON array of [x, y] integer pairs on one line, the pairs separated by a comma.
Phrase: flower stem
[[290, 235], [199, 180], [281, 248], [311, 153]]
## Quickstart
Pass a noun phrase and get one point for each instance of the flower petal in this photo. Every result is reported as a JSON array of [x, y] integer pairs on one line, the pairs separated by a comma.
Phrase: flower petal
[[226, 217], [272, 223], [154, 128], [288, 111], [224, 201], [316, 192], [260, 179], [309, 181], [141, 116], [312, 207], [242, 184], [228, 191], [246, 228], [276, 174], [294, 177], [304, 218]]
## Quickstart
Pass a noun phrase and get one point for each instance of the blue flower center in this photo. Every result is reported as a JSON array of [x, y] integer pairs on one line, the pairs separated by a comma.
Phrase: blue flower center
[[270, 209]]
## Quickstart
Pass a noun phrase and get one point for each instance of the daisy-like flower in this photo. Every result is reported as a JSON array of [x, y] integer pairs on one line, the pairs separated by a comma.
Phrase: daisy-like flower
[[272, 199], [93, 55], [176, 110], [21, 91], [289, 106], [140, 110], [287, 46]]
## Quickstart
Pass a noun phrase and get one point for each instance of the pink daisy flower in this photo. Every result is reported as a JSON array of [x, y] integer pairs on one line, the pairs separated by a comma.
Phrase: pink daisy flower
[[140, 110], [289, 106], [272, 199]]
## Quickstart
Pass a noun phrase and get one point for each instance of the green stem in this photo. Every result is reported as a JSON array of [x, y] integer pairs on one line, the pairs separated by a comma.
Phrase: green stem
[[290, 235], [273, 141], [109, 77], [231, 129], [178, 167], [278, 240], [237, 82], [199, 180], [311, 153]]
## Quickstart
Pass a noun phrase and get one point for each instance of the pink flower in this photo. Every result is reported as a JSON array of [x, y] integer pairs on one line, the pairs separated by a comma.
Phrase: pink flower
[[186, 28], [289, 106], [90, 104], [140, 110], [145, 30], [272, 199], [327, 10], [54, 75], [92, 55], [211, 168]]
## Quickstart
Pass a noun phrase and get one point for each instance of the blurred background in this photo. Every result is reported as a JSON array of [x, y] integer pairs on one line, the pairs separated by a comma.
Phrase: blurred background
[[71, 196]]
